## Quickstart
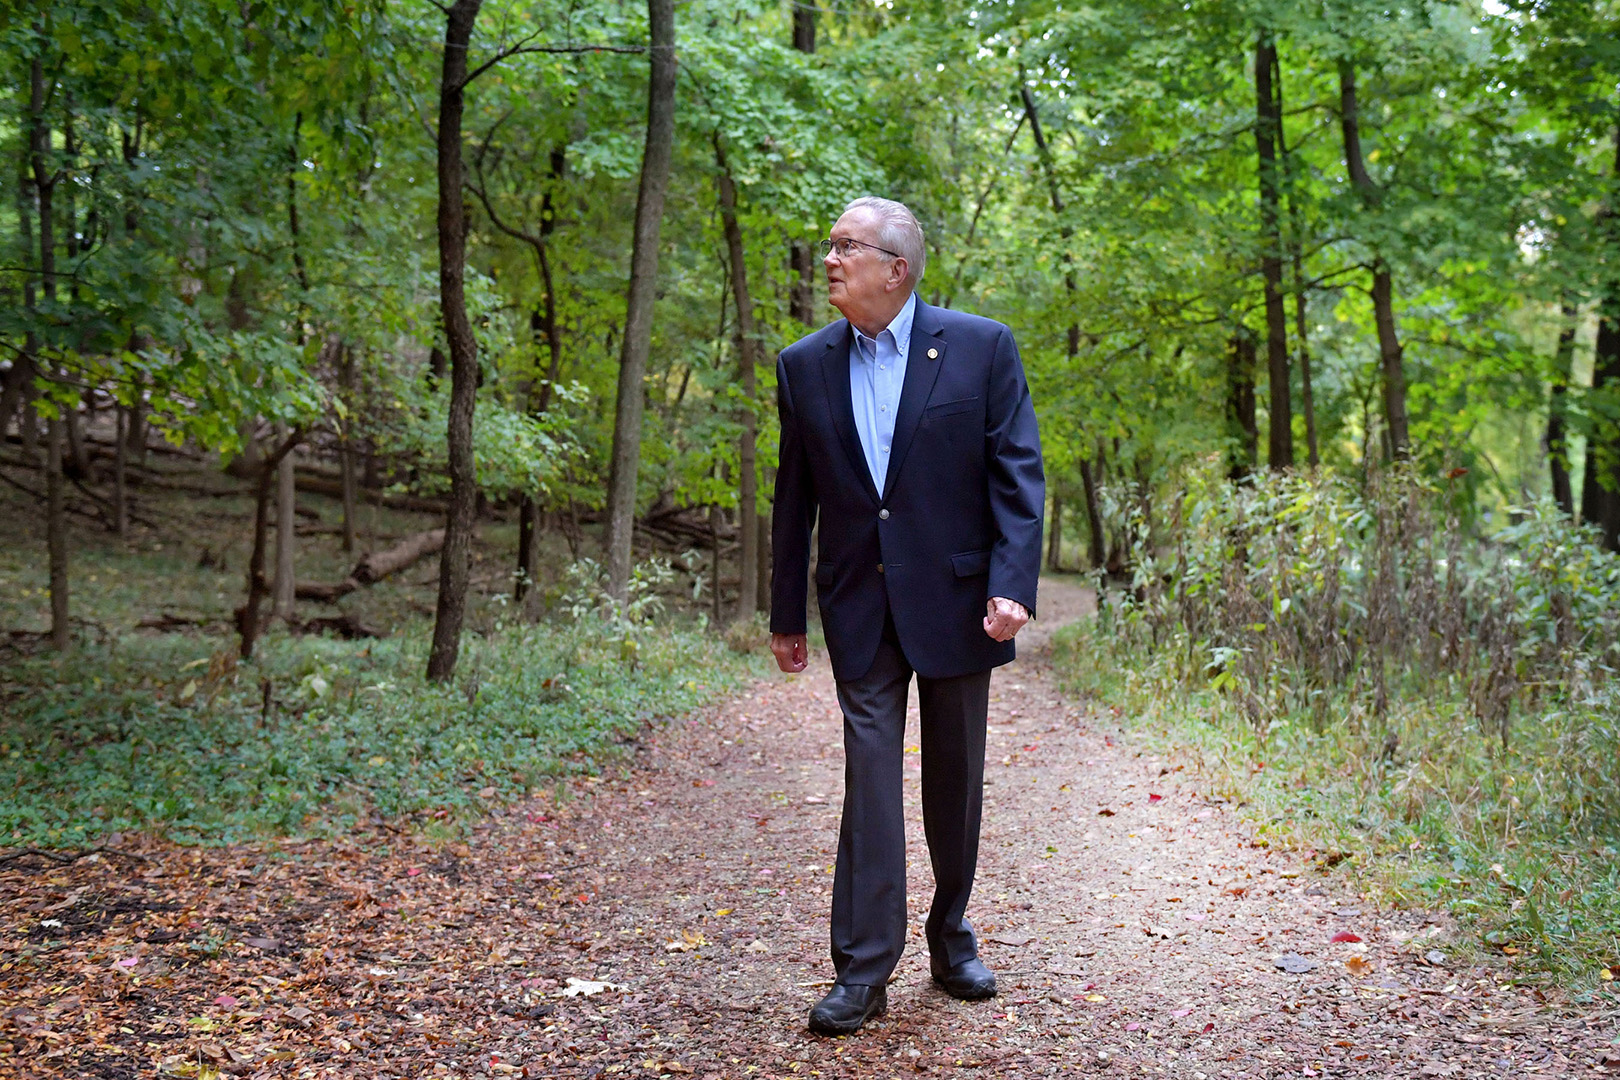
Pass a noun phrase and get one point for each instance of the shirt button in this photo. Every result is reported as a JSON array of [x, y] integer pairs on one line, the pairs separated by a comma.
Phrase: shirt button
[[883, 408], [883, 515], [880, 568]]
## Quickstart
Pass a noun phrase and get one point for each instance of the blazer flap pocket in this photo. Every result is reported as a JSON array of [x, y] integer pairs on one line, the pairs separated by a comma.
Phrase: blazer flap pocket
[[951, 408], [969, 563], [824, 573]]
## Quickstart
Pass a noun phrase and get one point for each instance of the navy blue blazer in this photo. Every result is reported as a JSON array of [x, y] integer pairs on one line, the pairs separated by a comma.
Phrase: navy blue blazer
[[960, 520]]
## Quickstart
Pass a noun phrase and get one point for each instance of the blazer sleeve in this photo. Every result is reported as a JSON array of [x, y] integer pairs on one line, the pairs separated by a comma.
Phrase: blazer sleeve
[[793, 515], [1017, 481]]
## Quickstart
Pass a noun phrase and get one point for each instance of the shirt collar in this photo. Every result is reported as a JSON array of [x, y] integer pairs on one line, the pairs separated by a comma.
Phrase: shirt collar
[[899, 329]]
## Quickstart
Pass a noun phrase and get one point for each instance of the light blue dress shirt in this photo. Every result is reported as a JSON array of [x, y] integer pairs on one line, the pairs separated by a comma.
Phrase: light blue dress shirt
[[877, 371]]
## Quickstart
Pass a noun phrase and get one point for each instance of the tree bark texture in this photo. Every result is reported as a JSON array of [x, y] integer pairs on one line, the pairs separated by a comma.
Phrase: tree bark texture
[[346, 449], [1383, 290], [247, 619], [748, 381], [56, 532], [1240, 413], [284, 591], [802, 287], [454, 559], [631, 401], [1557, 438], [1268, 120]]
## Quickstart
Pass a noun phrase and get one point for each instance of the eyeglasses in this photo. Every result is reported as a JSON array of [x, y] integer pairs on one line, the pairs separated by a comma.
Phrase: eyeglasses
[[845, 247]]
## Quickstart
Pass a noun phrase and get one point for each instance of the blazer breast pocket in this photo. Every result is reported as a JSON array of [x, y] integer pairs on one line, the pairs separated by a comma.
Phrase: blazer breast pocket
[[950, 408]]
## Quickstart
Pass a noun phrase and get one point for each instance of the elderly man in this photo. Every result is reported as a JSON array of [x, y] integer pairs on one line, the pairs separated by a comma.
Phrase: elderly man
[[909, 429]]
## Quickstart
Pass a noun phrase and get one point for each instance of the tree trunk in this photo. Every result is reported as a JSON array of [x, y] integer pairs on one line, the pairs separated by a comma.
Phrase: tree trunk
[[1296, 244], [762, 583], [56, 532], [1098, 541], [526, 545], [1383, 292], [1097, 537], [1054, 541], [802, 288], [748, 369], [1557, 445], [455, 558], [285, 589], [120, 472], [637, 342], [346, 448], [247, 618], [714, 566], [1268, 119], [1240, 404]]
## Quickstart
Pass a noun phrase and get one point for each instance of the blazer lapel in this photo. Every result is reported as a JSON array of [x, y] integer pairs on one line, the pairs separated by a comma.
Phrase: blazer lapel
[[923, 361], [835, 371]]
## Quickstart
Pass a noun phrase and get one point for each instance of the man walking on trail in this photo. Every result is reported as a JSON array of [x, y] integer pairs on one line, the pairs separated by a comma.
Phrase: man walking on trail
[[909, 429]]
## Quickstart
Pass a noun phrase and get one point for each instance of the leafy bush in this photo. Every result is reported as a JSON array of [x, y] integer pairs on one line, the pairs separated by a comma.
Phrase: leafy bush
[[1356, 659], [169, 734]]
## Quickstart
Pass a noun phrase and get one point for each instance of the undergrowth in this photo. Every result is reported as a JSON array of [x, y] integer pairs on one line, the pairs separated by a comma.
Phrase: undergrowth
[[169, 734], [1437, 713]]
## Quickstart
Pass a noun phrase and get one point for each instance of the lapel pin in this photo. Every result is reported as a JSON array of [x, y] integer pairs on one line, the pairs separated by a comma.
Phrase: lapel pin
[[933, 354]]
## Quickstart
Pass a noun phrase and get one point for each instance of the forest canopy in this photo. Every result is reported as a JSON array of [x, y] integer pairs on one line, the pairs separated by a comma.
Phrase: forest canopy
[[540, 255]]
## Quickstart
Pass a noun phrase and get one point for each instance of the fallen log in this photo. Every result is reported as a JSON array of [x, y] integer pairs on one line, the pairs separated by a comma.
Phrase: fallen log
[[374, 566]]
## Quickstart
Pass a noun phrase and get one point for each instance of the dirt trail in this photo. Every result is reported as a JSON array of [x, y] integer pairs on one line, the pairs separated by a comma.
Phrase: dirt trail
[[1135, 929]]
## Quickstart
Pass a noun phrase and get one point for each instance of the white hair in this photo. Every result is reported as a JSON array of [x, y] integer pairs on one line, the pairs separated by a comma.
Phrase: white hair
[[898, 231]]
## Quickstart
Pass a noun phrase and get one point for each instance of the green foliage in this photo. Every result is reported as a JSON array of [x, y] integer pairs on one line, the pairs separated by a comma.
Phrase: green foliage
[[159, 735]]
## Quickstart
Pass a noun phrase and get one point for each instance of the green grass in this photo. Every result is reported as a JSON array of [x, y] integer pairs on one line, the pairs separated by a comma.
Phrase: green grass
[[1520, 845]]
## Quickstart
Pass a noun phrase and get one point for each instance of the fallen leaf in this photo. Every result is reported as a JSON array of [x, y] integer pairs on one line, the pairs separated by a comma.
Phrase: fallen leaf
[[1155, 798], [414, 871], [1345, 935], [1105, 813], [586, 987], [225, 1001], [1017, 941], [262, 943], [756, 946], [1357, 966], [703, 783], [1295, 964]]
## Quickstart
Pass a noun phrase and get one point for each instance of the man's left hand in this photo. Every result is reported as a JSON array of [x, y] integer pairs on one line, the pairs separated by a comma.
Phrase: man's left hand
[[1004, 618]]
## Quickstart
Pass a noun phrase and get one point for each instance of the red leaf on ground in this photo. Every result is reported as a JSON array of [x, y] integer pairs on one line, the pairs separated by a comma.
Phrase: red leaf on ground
[[225, 1001], [1345, 935], [1155, 798], [414, 871]]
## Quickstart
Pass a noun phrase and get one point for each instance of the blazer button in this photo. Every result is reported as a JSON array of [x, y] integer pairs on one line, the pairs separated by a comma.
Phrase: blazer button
[[880, 568], [883, 515]]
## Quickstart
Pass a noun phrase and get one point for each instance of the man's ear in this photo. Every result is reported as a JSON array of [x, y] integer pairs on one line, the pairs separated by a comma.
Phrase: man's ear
[[899, 270]]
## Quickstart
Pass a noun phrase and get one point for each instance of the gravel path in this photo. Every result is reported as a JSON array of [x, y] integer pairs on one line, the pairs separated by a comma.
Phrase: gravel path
[[1136, 930]]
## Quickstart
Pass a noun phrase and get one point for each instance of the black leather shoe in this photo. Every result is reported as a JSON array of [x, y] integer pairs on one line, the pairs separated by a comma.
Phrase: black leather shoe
[[970, 980], [846, 1008]]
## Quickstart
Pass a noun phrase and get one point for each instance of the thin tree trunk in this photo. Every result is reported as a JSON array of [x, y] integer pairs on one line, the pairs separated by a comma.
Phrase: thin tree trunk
[[1268, 119], [1098, 540], [802, 288], [1296, 244], [1097, 537], [748, 368], [1383, 291], [762, 582], [247, 619], [120, 472], [525, 553], [56, 532], [1240, 412], [1054, 541], [285, 590], [631, 401], [1557, 444], [714, 567], [346, 449], [454, 559]]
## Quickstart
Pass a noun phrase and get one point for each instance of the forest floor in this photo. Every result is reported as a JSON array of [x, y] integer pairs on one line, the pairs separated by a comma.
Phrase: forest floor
[[671, 920]]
